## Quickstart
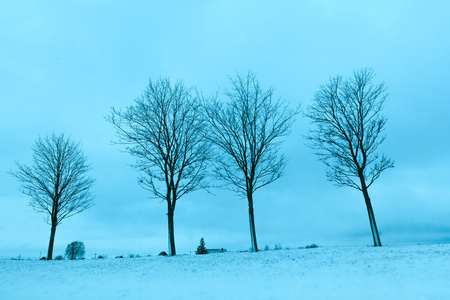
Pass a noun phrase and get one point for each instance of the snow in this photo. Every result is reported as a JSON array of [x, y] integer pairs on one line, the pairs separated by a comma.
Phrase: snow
[[389, 272]]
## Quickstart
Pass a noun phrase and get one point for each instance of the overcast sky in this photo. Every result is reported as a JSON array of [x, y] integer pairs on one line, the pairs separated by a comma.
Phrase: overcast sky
[[64, 64]]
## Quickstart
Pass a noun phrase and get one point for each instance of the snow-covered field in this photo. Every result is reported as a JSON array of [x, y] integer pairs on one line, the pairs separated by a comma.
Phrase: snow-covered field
[[389, 272]]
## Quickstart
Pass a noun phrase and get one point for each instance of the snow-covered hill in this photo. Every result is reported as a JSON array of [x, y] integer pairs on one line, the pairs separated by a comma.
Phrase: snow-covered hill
[[389, 272]]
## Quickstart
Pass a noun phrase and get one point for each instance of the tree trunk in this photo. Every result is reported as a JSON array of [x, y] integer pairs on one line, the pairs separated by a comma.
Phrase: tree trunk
[[50, 245], [252, 223], [172, 250], [373, 224]]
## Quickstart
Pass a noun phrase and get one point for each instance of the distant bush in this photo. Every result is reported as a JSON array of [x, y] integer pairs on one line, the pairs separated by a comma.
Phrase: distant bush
[[59, 257], [201, 249], [277, 247], [75, 250], [311, 246], [163, 253], [102, 256], [131, 256], [119, 256], [266, 248]]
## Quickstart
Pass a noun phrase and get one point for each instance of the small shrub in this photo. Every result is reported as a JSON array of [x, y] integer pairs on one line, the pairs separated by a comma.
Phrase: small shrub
[[59, 257], [163, 253], [134, 256], [102, 256], [311, 246], [201, 249], [277, 247], [119, 256], [266, 248], [75, 250], [42, 258]]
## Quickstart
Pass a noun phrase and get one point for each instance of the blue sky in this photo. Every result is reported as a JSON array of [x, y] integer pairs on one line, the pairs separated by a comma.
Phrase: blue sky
[[64, 65]]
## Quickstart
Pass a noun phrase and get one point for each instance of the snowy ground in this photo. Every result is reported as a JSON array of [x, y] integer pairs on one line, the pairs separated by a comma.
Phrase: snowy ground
[[389, 272]]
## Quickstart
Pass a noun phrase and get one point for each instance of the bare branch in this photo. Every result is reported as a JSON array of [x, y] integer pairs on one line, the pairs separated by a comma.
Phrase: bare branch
[[245, 131], [348, 123], [57, 181]]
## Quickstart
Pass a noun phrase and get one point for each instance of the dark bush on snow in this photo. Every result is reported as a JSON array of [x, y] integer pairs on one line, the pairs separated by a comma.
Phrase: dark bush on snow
[[163, 253], [75, 250], [201, 249], [311, 246], [59, 257]]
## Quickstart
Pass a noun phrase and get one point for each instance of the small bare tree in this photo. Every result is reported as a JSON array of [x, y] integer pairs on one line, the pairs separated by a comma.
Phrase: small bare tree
[[57, 182], [75, 250], [246, 132], [164, 130], [348, 120]]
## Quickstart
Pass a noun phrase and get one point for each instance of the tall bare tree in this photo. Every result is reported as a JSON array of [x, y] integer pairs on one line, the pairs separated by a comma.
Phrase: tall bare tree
[[164, 130], [246, 132], [348, 120], [57, 181]]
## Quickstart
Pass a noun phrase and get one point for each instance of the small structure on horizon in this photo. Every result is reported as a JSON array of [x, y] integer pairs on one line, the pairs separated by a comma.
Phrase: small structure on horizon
[[217, 250]]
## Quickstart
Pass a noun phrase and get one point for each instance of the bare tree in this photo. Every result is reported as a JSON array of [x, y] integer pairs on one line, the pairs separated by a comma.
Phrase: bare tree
[[246, 132], [348, 120], [164, 130], [75, 250], [57, 182]]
